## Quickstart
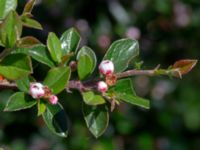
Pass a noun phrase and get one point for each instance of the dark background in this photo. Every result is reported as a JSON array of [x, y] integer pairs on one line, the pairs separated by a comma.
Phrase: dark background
[[167, 30]]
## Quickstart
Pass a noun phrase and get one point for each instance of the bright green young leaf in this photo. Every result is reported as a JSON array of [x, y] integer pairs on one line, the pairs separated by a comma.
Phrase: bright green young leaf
[[28, 7], [56, 119], [6, 6], [88, 51], [23, 84], [19, 101], [41, 106], [37, 52], [4, 96], [97, 118], [57, 79], [10, 30], [70, 40], [31, 23], [54, 47], [92, 99], [27, 41], [15, 66], [121, 52], [85, 66]]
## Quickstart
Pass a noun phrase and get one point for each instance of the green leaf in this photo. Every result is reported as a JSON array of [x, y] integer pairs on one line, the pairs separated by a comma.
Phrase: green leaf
[[10, 30], [124, 86], [41, 107], [56, 119], [28, 41], [54, 47], [31, 23], [135, 100], [19, 101], [70, 40], [92, 99], [88, 51], [6, 6], [57, 79], [121, 52], [23, 84], [15, 66], [96, 118], [37, 52], [124, 91], [4, 96], [85, 66], [29, 6]]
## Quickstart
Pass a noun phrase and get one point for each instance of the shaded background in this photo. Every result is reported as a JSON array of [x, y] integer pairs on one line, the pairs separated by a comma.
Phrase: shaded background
[[167, 30]]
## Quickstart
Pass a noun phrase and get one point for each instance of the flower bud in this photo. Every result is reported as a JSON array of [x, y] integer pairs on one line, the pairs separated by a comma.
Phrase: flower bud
[[53, 99], [36, 90], [106, 67], [102, 86]]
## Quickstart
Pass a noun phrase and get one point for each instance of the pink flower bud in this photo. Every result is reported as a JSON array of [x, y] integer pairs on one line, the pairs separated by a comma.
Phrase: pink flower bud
[[53, 99], [102, 86], [106, 67], [36, 90]]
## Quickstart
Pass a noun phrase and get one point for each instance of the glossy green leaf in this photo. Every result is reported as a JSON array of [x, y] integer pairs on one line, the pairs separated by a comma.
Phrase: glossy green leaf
[[6, 6], [31, 23], [88, 51], [57, 79], [70, 40], [41, 106], [92, 99], [124, 86], [96, 118], [29, 6], [56, 119], [54, 47], [37, 52], [27, 41], [23, 84], [135, 100], [85, 66], [10, 30], [15, 66], [121, 52], [19, 101]]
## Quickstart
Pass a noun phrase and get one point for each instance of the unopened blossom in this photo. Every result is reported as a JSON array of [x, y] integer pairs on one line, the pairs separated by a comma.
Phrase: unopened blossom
[[36, 90], [106, 67], [102, 86], [53, 99]]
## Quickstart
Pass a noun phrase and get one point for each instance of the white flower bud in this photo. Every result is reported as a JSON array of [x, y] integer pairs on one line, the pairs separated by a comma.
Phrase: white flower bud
[[53, 99], [106, 67], [36, 90], [102, 86]]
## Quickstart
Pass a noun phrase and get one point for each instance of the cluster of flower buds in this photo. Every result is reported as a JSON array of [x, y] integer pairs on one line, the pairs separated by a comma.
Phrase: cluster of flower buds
[[106, 68], [37, 90]]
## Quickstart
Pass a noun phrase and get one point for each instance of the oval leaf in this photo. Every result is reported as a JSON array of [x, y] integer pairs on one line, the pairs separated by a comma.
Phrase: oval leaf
[[96, 119], [121, 52], [88, 51], [54, 47], [37, 52], [28, 41], [6, 6], [10, 30], [70, 40], [28, 7], [85, 66], [15, 66], [23, 84], [31, 23], [19, 101], [57, 79], [92, 99], [56, 119]]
